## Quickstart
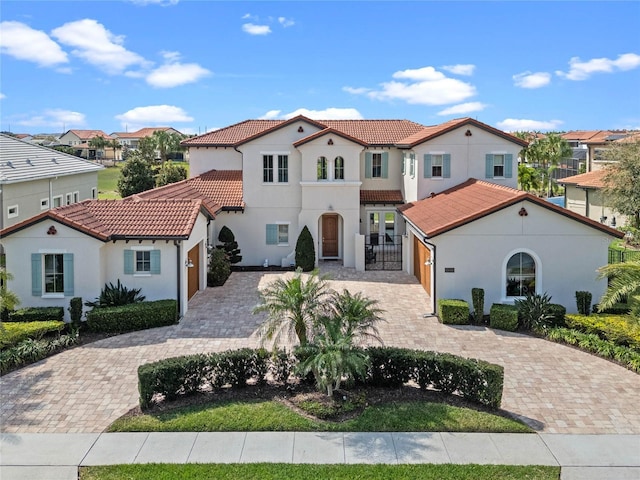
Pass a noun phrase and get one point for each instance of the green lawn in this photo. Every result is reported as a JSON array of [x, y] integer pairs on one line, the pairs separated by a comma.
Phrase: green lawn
[[278, 471], [108, 180], [269, 415]]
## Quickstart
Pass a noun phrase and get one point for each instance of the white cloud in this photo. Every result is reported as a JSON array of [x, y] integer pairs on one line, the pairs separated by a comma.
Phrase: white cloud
[[532, 80], [24, 43], [153, 115], [286, 22], [466, 69], [253, 29], [57, 118], [173, 73], [2, 96], [423, 86], [463, 108], [96, 45], [162, 3], [331, 113], [520, 124], [579, 70]]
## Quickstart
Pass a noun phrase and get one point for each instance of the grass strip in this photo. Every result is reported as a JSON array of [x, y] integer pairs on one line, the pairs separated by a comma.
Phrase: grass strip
[[266, 415]]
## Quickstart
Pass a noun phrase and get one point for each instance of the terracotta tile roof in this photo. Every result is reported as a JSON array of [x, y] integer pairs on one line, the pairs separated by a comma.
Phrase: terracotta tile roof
[[89, 134], [393, 197], [475, 199], [216, 187], [129, 218], [586, 180], [142, 133], [327, 131], [371, 132], [429, 133]]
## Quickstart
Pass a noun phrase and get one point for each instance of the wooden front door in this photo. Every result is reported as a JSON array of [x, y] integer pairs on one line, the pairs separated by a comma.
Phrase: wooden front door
[[421, 255], [193, 273], [330, 235]]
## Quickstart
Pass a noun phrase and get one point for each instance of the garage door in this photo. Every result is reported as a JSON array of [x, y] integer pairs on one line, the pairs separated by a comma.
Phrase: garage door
[[421, 254], [193, 275]]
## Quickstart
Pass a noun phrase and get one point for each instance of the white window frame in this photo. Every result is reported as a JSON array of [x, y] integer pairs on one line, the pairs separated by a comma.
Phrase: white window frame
[[59, 198], [280, 225], [13, 211], [44, 204], [68, 198], [538, 275], [76, 197], [434, 157], [504, 159], [43, 253], [275, 167], [412, 165], [136, 272], [374, 156], [93, 193], [322, 169], [335, 168]]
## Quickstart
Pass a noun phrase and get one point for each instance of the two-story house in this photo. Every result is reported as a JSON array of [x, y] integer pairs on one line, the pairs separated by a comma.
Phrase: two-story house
[[132, 139], [80, 140]]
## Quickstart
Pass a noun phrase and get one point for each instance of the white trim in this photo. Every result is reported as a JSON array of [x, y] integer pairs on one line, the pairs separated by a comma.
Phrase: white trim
[[438, 152], [67, 198], [288, 224], [44, 204], [141, 248], [52, 251], [14, 214], [335, 183], [503, 275], [94, 193], [76, 197], [54, 201]]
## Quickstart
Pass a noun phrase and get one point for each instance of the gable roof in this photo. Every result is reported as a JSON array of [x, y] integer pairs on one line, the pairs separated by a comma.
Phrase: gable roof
[[594, 179], [473, 200], [131, 218], [327, 131], [142, 133], [88, 134], [222, 188], [22, 161], [369, 132]]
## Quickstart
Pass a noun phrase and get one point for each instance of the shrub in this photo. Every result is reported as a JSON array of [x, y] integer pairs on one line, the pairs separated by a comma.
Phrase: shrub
[[557, 313], [170, 173], [503, 317], [116, 295], [534, 312], [37, 314], [390, 367], [620, 329], [236, 367], [137, 316], [305, 251], [453, 312], [219, 268], [75, 310], [31, 350], [617, 309], [477, 298], [583, 302], [229, 245], [14, 333]]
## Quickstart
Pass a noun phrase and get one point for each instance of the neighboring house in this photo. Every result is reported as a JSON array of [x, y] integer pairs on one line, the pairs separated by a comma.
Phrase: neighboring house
[[35, 178], [132, 139], [79, 140], [594, 142], [343, 179], [157, 245], [505, 241], [583, 195]]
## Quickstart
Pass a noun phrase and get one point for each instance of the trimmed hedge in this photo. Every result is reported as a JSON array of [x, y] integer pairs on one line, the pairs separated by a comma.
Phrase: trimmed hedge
[[474, 380], [14, 333], [503, 317], [453, 312], [37, 314], [135, 316], [559, 312], [620, 329]]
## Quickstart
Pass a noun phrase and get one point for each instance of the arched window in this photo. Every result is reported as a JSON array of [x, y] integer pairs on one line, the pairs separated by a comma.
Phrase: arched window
[[338, 168], [322, 168], [521, 275]]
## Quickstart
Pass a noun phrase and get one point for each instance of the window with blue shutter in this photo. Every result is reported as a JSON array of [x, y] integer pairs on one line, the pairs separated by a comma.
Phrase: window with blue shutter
[[155, 262], [272, 234], [508, 165], [488, 173], [67, 280], [385, 165], [36, 274], [128, 262], [427, 166], [446, 165], [367, 164]]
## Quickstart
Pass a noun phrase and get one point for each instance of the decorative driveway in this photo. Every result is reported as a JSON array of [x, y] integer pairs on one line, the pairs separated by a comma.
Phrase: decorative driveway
[[555, 389]]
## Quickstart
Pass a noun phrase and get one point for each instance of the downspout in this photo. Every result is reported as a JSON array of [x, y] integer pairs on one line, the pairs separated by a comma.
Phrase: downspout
[[178, 277], [434, 276]]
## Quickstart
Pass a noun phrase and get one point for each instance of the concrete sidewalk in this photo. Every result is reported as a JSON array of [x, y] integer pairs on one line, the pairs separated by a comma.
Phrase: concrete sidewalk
[[58, 456]]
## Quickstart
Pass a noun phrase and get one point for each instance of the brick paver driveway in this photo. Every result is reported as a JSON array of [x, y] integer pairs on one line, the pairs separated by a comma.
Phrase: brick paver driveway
[[555, 389]]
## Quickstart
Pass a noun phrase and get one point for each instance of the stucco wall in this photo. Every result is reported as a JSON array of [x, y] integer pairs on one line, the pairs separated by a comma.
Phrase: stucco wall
[[203, 159], [591, 203]]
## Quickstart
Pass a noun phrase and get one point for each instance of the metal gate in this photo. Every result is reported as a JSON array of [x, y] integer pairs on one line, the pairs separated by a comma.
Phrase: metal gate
[[383, 252]]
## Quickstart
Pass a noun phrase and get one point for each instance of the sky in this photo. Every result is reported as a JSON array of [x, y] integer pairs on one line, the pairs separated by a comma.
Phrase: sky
[[200, 65]]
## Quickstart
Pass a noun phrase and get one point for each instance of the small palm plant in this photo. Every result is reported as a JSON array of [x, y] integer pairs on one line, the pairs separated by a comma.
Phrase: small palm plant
[[293, 306], [534, 311], [116, 295], [358, 315], [624, 282]]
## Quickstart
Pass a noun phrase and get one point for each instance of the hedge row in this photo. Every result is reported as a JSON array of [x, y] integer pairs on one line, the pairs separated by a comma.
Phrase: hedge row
[[620, 329], [453, 311], [32, 350], [474, 380], [13, 333], [37, 314], [135, 316]]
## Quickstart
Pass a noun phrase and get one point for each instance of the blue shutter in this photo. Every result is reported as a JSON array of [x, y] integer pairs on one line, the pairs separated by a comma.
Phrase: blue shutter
[[427, 166], [385, 165], [36, 274], [154, 257], [488, 166], [367, 164], [272, 234], [67, 278], [128, 262], [508, 168], [446, 165]]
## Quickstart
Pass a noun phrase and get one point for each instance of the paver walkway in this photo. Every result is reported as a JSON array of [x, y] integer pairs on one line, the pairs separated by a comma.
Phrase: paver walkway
[[555, 389]]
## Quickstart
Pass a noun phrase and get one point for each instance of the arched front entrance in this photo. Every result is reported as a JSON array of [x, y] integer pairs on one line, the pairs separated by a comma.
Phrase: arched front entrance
[[330, 235]]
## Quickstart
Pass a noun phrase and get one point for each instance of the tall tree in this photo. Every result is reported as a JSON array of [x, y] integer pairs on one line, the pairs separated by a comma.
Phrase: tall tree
[[170, 173], [99, 143], [622, 180], [166, 143], [147, 149], [115, 145], [136, 176], [555, 150]]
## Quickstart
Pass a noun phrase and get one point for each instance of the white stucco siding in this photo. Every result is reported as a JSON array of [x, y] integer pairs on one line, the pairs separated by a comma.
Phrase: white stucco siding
[[203, 159], [576, 199], [590, 202], [341, 147], [394, 171], [468, 155], [409, 178], [86, 260], [568, 253]]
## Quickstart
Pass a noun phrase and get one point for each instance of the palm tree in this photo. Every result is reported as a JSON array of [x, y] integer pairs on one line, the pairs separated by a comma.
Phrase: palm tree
[[624, 282], [556, 149], [166, 143], [115, 145], [99, 143], [528, 178], [293, 306], [357, 314]]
